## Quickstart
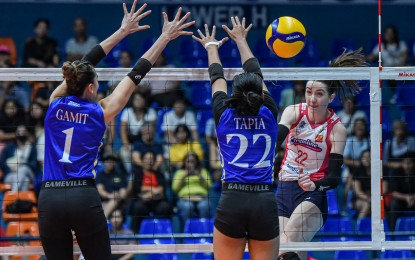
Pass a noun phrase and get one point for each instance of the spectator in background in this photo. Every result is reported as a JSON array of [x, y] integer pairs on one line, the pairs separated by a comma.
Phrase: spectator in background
[[148, 192], [179, 150], [179, 115], [132, 119], [41, 51], [5, 57], [361, 186], [394, 50], [12, 90], [164, 93], [191, 184], [402, 187], [394, 149], [148, 144], [112, 184], [356, 144], [291, 96], [42, 92], [349, 114], [18, 161], [11, 115], [77, 46], [214, 164], [118, 228], [394, 54]]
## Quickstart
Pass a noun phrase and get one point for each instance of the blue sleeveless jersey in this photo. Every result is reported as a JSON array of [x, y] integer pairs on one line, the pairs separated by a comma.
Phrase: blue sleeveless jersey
[[247, 146], [74, 131]]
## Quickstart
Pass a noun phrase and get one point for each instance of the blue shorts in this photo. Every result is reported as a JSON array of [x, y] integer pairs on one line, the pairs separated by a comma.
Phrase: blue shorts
[[290, 195]]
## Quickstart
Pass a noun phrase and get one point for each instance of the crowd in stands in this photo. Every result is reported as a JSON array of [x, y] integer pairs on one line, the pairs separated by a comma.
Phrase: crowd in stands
[[160, 157]]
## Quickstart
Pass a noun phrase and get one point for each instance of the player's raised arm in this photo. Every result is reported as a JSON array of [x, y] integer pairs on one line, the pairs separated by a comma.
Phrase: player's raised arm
[[129, 24], [115, 102], [208, 40], [239, 33]]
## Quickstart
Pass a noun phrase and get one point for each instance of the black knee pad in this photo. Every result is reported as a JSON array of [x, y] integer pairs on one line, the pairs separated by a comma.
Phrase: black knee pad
[[289, 256]]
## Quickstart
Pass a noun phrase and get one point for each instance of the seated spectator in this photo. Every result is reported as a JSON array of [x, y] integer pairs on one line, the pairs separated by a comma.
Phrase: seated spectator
[[164, 93], [15, 91], [361, 186], [394, 50], [349, 114], [132, 119], [11, 115], [402, 188], [356, 144], [395, 149], [291, 96], [214, 163], [179, 115], [77, 46], [191, 184], [41, 92], [148, 144], [5, 57], [118, 228], [112, 184], [41, 51], [183, 145], [18, 161], [124, 61], [148, 192]]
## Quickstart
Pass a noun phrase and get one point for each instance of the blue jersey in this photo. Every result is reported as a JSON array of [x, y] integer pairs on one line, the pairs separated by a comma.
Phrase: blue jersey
[[247, 146], [74, 131]]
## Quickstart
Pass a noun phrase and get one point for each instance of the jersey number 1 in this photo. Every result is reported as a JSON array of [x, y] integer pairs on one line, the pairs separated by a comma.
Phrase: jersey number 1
[[68, 142]]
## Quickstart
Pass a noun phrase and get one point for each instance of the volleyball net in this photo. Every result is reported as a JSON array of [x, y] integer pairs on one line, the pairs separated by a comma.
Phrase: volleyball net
[[181, 237]]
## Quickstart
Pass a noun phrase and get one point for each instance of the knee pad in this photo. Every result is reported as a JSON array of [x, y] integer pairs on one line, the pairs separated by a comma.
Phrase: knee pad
[[289, 256]]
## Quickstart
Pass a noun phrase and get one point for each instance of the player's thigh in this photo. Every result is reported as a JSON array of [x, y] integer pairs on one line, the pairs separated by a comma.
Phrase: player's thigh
[[227, 248], [283, 223], [264, 249], [304, 223]]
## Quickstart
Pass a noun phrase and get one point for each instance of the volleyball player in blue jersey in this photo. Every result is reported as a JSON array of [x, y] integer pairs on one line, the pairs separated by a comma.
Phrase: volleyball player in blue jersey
[[246, 126], [74, 128]]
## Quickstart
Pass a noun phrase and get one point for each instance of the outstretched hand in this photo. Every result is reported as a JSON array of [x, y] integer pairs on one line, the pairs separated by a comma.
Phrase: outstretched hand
[[131, 20], [208, 39], [175, 28], [238, 31]]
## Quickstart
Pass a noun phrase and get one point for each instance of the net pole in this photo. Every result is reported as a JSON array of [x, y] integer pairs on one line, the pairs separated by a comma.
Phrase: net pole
[[377, 213]]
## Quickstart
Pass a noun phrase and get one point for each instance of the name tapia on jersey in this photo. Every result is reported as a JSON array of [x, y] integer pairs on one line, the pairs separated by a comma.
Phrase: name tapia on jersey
[[247, 146]]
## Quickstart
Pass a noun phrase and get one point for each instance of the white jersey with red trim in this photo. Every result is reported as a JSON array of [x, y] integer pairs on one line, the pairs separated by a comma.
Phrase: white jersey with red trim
[[307, 147]]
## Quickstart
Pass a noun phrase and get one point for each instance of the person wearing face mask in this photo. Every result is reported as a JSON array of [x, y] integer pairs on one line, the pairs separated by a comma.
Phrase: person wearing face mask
[[18, 161]]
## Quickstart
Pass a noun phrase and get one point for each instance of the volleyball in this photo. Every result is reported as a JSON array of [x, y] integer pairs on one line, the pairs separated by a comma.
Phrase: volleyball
[[286, 37]]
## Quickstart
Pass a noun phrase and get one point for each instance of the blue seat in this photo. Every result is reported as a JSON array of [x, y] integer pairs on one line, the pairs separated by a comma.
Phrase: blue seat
[[405, 224], [350, 255], [339, 228], [409, 115], [201, 94], [199, 226], [310, 52], [160, 115], [333, 207], [363, 98], [157, 226], [364, 228], [397, 254]]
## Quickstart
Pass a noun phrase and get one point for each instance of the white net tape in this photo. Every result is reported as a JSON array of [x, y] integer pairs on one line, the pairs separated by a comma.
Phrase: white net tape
[[378, 241]]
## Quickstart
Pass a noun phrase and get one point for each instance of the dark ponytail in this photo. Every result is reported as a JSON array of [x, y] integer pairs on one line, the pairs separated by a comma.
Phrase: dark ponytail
[[78, 75], [246, 94]]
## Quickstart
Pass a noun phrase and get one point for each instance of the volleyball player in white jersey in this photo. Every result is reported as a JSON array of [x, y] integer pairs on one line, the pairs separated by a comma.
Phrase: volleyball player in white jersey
[[313, 156], [246, 127], [74, 128]]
